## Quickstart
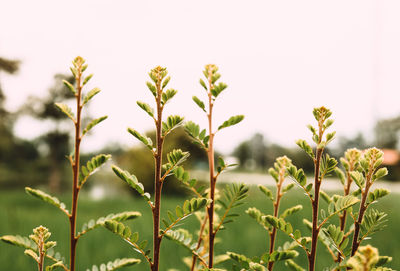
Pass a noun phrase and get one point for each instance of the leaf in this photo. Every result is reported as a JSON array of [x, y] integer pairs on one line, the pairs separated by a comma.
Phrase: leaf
[[92, 166], [283, 255], [171, 123], [193, 130], [185, 239], [257, 215], [54, 266], [120, 217], [365, 258], [373, 221], [116, 264], [358, 178], [131, 180], [203, 84], [92, 124], [90, 95], [279, 223], [69, 86], [152, 88], [87, 78], [199, 103], [232, 197], [217, 89], [19, 241], [293, 266], [291, 211], [380, 173], [145, 140], [377, 194], [66, 110], [147, 108], [177, 157], [231, 121], [341, 204], [167, 95], [47, 198], [306, 147], [189, 207], [266, 191]]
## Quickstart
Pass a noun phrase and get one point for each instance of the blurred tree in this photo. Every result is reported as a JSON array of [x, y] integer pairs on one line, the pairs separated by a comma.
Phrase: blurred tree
[[140, 162], [15, 154], [253, 153], [55, 142], [387, 133], [256, 154]]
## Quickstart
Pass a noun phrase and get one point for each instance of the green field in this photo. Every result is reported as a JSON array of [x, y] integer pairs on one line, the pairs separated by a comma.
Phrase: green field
[[19, 213]]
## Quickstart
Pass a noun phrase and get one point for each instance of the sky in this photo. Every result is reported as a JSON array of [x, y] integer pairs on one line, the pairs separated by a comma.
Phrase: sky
[[280, 59]]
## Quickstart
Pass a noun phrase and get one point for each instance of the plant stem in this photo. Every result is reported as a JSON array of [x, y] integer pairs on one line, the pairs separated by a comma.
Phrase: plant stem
[[210, 152], [41, 254], [194, 257], [363, 208], [272, 235], [315, 201], [157, 182], [75, 168], [344, 215]]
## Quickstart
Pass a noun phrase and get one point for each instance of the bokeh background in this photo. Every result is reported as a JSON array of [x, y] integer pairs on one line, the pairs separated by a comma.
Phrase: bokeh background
[[280, 59]]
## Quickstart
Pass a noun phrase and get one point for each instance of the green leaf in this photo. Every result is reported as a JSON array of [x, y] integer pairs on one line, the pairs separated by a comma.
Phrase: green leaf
[[291, 211], [341, 204], [147, 108], [293, 266], [189, 207], [114, 265], [358, 178], [92, 166], [92, 124], [87, 78], [377, 194], [372, 222], [340, 175], [257, 215], [152, 88], [184, 239], [203, 84], [47, 198], [167, 95], [232, 197], [144, 139], [231, 121], [19, 241], [171, 123], [66, 110], [306, 147], [283, 255], [217, 89], [266, 191], [279, 223], [380, 173], [177, 157], [199, 103], [119, 217], [90, 95], [69, 86], [165, 82], [132, 181]]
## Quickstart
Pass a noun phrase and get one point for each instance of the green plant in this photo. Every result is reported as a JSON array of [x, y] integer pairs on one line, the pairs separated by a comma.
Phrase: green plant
[[363, 169], [287, 251], [175, 158], [81, 174], [234, 194], [38, 248]]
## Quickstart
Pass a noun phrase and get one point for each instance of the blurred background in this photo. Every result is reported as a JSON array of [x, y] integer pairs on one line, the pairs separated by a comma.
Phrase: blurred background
[[280, 59]]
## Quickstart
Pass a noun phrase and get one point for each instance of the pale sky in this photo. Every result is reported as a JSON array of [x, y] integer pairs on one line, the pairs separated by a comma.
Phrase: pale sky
[[279, 58]]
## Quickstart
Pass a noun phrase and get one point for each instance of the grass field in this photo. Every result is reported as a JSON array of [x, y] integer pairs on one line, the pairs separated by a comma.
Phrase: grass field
[[19, 213]]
